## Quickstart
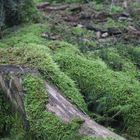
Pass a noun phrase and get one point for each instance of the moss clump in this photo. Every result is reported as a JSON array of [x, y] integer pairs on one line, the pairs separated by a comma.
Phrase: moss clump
[[44, 125], [116, 24], [112, 95], [38, 57], [28, 11], [135, 55], [24, 36], [118, 62]]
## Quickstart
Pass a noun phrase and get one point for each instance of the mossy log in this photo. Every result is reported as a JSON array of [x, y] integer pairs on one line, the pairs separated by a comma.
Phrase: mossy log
[[11, 83]]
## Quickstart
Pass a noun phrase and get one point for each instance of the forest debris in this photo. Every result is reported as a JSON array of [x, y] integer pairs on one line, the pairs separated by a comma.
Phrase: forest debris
[[43, 5], [104, 35], [56, 8], [85, 16], [51, 36], [114, 31], [76, 8], [125, 15], [125, 18], [71, 19], [109, 39], [132, 30], [90, 27], [102, 15]]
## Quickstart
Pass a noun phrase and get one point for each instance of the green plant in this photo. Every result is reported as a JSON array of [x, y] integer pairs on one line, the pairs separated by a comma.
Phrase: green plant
[[116, 9], [116, 24]]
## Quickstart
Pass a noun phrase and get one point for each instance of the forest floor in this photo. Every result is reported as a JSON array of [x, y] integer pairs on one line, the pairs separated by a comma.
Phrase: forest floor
[[92, 47], [101, 23]]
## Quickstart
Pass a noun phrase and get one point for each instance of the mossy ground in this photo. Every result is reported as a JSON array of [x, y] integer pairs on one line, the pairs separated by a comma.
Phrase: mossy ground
[[103, 77]]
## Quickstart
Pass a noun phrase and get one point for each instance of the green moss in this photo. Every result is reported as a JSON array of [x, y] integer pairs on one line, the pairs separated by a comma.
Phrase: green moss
[[43, 124], [116, 24], [25, 35], [113, 95], [97, 6], [10, 122], [135, 55], [116, 9], [117, 62], [38, 57]]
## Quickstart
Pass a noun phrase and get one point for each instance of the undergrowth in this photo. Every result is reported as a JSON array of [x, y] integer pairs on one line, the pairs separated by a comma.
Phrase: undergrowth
[[112, 96]]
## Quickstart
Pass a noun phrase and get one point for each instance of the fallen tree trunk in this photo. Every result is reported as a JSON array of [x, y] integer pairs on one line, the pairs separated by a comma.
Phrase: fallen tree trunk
[[60, 106], [66, 111]]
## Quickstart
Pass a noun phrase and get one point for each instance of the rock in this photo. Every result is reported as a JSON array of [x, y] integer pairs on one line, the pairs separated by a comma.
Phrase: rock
[[125, 14], [98, 35], [125, 18], [80, 26], [104, 35]]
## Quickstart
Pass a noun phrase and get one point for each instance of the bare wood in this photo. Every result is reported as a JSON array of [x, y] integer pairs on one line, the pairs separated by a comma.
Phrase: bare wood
[[66, 111], [56, 8], [43, 5], [132, 30]]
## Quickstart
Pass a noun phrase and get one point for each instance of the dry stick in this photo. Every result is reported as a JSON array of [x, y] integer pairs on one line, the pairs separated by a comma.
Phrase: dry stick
[[43, 5], [55, 8]]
